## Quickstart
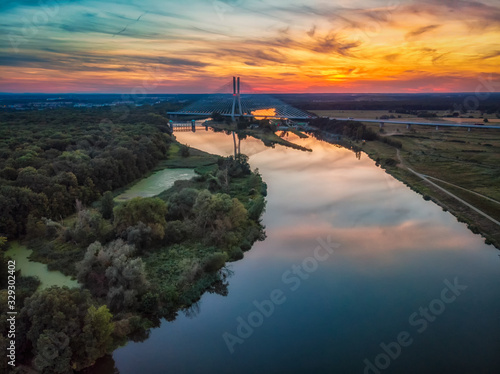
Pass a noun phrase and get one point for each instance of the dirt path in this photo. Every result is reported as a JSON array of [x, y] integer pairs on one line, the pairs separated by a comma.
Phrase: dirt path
[[426, 179], [465, 189]]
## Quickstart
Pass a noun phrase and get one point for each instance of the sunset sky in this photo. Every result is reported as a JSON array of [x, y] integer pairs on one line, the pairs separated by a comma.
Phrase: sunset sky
[[190, 46]]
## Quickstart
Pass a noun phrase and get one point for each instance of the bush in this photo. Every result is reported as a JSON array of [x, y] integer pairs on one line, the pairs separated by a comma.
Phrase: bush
[[215, 262], [184, 150], [390, 162]]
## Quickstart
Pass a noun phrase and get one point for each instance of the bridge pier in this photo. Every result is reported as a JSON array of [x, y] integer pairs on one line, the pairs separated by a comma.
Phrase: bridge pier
[[381, 124], [408, 127], [193, 125], [171, 124], [437, 128], [468, 129]]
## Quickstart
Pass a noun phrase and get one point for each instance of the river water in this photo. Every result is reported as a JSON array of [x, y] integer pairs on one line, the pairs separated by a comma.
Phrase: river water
[[358, 274]]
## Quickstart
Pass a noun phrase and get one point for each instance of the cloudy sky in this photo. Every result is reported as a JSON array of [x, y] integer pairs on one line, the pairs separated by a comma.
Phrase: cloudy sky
[[274, 45]]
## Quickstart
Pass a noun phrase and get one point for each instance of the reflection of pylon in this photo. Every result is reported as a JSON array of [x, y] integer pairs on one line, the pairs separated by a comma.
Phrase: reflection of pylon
[[236, 97]]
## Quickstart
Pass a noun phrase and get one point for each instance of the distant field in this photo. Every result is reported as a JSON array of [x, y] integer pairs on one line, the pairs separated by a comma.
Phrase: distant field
[[378, 113]]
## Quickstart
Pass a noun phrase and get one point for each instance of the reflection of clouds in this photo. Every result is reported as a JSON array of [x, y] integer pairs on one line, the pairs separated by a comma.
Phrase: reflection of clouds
[[219, 143], [328, 192], [365, 245]]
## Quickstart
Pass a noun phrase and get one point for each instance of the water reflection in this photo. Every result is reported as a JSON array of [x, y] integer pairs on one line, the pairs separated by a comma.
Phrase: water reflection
[[395, 251], [264, 113]]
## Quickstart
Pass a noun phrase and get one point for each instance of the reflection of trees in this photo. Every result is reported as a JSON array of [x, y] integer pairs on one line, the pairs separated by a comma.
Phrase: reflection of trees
[[337, 140], [219, 287], [193, 310], [103, 365], [237, 147]]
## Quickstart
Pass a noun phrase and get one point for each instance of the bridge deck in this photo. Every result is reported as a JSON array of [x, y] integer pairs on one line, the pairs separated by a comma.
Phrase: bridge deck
[[439, 124]]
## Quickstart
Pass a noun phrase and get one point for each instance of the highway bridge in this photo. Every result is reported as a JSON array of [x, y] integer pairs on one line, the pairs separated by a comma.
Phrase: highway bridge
[[408, 124]]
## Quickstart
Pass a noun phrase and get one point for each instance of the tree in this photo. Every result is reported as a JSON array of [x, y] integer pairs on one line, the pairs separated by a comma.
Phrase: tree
[[97, 333], [217, 117], [114, 272], [107, 205], [150, 211], [65, 329], [180, 204], [89, 226], [219, 218]]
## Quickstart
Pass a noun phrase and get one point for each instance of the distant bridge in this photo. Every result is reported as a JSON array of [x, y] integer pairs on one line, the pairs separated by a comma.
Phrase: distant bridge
[[409, 124], [182, 126], [236, 104]]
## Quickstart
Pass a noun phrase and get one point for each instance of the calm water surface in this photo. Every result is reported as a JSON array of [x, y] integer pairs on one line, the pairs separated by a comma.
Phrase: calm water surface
[[156, 183], [394, 253], [48, 278]]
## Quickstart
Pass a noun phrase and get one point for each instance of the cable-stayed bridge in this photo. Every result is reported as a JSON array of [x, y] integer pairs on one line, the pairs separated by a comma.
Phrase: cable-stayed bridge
[[237, 104]]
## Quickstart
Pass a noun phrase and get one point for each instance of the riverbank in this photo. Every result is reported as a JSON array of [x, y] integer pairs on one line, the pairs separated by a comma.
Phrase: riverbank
[[457, 169], [147, 258]]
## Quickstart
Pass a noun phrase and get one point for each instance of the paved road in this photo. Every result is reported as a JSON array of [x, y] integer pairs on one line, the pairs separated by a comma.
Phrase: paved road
[[400, 122]]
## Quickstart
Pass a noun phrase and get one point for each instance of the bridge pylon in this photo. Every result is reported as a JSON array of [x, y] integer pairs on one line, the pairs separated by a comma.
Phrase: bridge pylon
[[236, 97]]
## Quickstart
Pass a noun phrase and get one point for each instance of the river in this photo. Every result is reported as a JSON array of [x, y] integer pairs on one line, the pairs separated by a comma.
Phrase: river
[[358, 274]]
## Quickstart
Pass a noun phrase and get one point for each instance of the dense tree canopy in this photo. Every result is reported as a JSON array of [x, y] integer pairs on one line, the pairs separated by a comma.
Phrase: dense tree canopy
[[66, 330], [49, 159]]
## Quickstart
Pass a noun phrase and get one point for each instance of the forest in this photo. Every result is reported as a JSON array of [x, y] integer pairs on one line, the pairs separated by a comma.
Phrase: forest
[[137, 261]]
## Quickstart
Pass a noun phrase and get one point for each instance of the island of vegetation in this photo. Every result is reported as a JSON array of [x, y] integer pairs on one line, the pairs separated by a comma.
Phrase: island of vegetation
[[138, 261]]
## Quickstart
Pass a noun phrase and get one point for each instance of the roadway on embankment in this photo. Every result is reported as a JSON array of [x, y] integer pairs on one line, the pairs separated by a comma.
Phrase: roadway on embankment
[[438, 124]]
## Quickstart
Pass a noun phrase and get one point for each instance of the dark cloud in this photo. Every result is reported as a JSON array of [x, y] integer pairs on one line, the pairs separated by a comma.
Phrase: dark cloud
[[254, 55], [438, 58], [475, 14], [93, 23], [421, 30], [489, 55], [131, 23], [392, 57], [312, 32], [84, 61], [331, 43]]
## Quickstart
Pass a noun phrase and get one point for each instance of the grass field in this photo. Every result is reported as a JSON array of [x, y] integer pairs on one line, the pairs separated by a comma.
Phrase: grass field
[[372, 114]]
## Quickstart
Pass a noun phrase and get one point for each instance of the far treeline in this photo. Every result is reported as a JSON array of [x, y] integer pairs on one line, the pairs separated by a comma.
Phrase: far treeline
[[138, 261], [486, 102]]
